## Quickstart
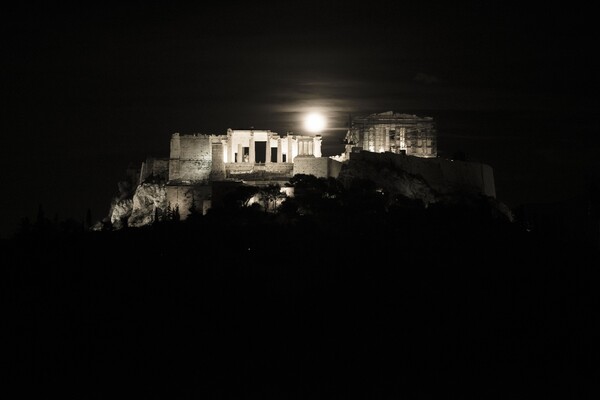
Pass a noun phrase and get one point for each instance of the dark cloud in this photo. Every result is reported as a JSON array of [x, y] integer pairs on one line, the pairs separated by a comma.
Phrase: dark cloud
[[426, 78]]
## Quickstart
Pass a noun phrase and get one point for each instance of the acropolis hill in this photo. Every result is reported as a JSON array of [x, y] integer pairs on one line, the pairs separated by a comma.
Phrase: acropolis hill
[[202, 167], [388, 268]]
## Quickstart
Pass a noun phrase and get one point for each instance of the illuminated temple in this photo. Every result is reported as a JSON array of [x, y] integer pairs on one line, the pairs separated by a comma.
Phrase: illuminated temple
[[392, 132], [199, 164]]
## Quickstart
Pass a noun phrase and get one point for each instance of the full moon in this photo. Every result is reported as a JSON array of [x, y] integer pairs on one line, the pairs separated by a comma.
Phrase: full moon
[[314, 122]]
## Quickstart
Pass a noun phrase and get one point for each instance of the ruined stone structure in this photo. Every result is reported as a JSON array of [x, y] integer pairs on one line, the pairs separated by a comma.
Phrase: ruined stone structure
[[201, 168], [392, 132], [254, 157]]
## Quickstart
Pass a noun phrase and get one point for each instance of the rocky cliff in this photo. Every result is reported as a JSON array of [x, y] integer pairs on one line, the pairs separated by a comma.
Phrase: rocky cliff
[[139, 209], [430, 181]]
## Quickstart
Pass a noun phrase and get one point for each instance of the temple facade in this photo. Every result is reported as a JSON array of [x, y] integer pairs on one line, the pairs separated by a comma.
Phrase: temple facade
[[392, 132], [197, 162], [264, 146]]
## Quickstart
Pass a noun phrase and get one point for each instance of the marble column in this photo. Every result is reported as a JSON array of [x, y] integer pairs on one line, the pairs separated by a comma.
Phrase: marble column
[[252, 156], [268, 150], [279, 154], [317, 146], [289, 157], [225, 151], [387, 141], [240, 156]]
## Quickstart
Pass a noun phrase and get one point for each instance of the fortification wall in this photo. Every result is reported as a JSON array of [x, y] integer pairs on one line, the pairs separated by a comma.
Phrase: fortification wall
[[155, 167], [334, 167], [182, 196], [487, 175], [247, 171], [191, 157], [132, 174], [441, 174], [160, 168], [321, 167], [218, 163], [469, 175]]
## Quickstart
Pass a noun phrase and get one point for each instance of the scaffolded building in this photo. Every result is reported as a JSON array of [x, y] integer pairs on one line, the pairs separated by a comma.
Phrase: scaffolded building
[[392, 132]]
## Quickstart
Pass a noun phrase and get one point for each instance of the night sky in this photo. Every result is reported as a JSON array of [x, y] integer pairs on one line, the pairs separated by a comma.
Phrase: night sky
[[88, 89]]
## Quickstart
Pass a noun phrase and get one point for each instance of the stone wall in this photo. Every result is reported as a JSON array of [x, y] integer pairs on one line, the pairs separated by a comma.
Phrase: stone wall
[[334, 167], [158, 168], [253, 172], [218, 164], [441, 174], [161, 168], [190, 158], [182, 196], [132, 174], [469, 175], [321, 167]]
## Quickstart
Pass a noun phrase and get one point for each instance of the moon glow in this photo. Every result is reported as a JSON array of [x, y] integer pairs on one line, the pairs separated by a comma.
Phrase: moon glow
[[314, 122]]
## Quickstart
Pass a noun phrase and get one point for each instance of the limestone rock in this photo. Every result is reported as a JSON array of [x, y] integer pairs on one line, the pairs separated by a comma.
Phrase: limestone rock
[[119, 213], [149, 200], [432, 181], [393, 180]]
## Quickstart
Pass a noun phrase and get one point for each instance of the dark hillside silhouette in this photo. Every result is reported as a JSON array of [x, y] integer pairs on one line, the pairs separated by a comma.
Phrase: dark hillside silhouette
[[390, 300]]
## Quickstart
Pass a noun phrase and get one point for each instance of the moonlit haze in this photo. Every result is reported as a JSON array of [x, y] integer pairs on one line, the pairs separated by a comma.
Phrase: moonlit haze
[[314, 122]]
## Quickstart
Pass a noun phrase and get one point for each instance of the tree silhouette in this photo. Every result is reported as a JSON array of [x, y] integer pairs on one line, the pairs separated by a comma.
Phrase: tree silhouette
[[88, 219], [168, 214], [239, 197], [193, 214], [271, 196], [40, 220]]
